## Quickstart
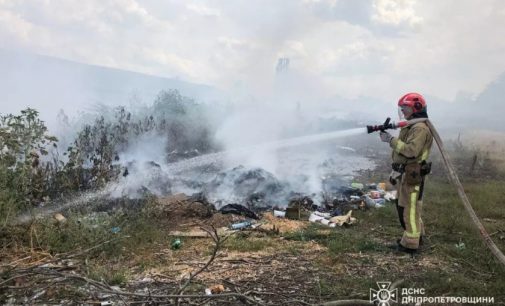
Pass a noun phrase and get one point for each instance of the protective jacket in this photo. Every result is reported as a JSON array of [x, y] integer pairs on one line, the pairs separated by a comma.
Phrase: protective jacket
[[411, 150], [413, 145]]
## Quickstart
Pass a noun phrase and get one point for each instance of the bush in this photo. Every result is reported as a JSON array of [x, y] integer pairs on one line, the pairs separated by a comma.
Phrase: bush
[[23, 140], [91, 161]]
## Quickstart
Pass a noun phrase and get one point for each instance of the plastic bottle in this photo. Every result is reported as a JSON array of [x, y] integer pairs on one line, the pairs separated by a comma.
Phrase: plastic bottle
[[369, 202], [176, 244], [240, 225]]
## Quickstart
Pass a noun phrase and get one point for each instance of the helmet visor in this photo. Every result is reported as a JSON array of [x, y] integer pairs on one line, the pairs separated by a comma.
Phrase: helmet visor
[[404, 112], [400, 113]]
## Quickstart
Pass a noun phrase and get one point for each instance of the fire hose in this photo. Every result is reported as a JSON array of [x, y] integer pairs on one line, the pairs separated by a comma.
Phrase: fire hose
[[452, 176]]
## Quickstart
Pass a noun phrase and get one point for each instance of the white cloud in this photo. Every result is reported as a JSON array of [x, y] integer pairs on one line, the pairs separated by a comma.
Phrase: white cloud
[[14, 26], [396, 12], [345, 47]]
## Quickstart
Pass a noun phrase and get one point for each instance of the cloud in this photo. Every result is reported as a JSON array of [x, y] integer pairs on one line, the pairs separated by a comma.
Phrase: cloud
[[342, 47], [14, 26], [396, 12]]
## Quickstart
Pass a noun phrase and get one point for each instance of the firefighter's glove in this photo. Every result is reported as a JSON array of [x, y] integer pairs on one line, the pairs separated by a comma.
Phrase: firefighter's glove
[[386, 137], [394, 177]]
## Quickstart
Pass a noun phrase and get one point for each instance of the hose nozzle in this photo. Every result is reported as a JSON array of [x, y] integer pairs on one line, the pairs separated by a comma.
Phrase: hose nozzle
[[388, 125], [385, 126]]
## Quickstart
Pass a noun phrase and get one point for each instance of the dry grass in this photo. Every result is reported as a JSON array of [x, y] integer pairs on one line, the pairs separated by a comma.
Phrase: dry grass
[[303, 261]]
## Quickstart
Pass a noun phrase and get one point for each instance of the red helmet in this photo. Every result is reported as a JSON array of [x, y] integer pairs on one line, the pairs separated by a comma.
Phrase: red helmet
[[413, 100]]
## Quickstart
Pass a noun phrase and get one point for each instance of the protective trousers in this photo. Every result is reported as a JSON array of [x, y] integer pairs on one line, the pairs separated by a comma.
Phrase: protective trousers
[[409, 205]]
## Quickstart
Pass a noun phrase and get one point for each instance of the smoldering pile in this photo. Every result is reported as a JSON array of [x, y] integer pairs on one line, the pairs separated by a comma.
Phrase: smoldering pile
[[168, 149]]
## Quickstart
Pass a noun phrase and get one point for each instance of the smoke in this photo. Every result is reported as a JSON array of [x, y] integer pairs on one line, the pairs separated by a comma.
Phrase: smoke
[[142, 160], [248, 125], [293, 107]]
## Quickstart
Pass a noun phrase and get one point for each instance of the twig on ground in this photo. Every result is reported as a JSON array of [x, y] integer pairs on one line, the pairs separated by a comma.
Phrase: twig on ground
[[218, 241]]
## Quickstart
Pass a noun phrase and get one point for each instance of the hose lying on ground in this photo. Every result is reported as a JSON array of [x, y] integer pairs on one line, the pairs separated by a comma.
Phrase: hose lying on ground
[[462, 195]]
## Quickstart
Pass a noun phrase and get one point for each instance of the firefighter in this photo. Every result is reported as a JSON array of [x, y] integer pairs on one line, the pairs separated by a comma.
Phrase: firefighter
[[411, 150]]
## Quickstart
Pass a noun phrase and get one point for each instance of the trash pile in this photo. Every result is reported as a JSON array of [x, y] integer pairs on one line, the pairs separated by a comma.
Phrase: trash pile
[[337, 209], [185, 215], [359, 196]]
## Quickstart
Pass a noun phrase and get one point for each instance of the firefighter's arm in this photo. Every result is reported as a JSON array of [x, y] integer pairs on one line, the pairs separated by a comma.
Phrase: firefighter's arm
[[414, 144]]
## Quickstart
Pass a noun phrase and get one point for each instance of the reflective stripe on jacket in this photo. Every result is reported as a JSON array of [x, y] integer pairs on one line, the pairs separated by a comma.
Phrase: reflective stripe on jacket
[[412, 145]]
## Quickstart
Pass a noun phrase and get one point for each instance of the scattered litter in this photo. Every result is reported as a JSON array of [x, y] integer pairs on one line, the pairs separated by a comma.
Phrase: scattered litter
[[315, 218], [238, 209], [369, 202], [322, 214], [115, 229], [241, 225], [372, 186], [279, 213], [336, 212], [60, 218], [293, 213], [303, 202], [379, 202], [339, 203], [216, 289], [341, 220], [338, 220], [359, 186], [374, 194], [460, 246], [176, 244], [390, 195]]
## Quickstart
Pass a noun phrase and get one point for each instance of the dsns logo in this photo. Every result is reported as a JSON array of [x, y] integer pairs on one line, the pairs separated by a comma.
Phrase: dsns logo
[[384, 296]]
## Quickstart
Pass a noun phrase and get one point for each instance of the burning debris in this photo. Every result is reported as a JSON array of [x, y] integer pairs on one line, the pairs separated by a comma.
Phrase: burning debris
[[240, 210], [256, 188], [334, 211], [140, 178]]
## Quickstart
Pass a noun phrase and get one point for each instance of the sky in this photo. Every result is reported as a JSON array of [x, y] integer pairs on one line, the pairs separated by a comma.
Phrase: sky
[[348, 48]]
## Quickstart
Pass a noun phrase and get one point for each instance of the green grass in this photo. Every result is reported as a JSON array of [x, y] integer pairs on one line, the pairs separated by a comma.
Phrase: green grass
[[82, 231], [471, 271]]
